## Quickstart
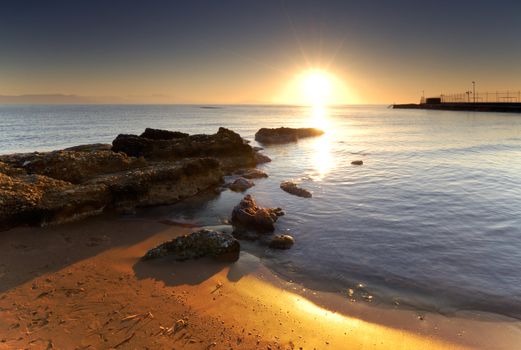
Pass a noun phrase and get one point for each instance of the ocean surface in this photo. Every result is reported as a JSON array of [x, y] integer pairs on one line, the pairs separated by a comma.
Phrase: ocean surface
[[432, 220]]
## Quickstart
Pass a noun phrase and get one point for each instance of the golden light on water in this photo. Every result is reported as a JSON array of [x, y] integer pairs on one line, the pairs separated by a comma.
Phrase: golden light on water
[[322, 158]]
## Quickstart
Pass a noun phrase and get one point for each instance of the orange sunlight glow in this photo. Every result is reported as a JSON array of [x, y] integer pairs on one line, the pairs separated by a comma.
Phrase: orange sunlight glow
[[315, 87]]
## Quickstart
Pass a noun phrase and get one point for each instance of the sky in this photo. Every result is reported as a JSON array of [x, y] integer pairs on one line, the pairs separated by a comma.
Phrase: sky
[[245, 51]]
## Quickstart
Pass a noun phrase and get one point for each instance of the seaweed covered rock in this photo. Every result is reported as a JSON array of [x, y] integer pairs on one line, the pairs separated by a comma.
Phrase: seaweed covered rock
[[226, 146], [292, 188], [285, 135], [218, 245], [247, 215]]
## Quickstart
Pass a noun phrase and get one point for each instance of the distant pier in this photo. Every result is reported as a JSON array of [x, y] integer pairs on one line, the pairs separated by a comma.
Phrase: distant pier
[[507, 101]]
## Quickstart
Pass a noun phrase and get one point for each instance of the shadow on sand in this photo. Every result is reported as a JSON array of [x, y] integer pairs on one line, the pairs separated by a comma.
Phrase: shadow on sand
[[194, 272]]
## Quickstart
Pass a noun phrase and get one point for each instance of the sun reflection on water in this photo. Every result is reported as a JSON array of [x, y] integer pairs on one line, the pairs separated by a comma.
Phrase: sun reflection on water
[[322, 158]]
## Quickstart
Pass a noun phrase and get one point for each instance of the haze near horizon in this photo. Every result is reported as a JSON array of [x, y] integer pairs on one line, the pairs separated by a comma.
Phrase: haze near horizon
[[254, 52]]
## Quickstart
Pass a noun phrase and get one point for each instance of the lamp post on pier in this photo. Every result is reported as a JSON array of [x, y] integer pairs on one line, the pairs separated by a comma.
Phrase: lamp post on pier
[[474, 91]]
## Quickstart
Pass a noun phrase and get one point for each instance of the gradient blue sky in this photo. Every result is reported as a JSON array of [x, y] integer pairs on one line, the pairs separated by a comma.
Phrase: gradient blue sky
[[249, 51]]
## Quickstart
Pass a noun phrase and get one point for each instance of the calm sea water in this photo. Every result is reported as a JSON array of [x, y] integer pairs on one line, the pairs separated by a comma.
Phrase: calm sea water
[[431, 220]]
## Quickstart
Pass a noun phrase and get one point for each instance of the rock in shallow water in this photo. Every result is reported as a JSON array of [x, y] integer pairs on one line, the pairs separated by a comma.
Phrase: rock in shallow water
[[247, 215], [282, 242], [252, 173], [240, 185], [285, 135], [261, 158], [221, 246], [292, 188]]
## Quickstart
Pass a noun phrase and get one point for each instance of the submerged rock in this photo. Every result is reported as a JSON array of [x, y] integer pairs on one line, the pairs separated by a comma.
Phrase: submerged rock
[[292, 188], [357, 162], [285, 135], [226, 146], [252, 173], [247, 215], [240, 185], [221, 246], [281, 242]]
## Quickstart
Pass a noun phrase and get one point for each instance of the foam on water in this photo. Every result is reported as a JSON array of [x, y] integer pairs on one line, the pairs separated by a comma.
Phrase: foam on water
[[432, 219]]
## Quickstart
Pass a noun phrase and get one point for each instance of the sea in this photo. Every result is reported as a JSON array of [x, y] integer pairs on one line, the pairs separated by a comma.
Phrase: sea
[[430, 221]]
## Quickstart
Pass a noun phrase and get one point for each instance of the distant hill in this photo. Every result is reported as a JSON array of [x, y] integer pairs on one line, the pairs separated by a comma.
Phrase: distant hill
[[45, 99], [76, 99]]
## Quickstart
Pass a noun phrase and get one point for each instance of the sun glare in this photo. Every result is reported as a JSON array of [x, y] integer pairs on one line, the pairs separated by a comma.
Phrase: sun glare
[[316, 87]]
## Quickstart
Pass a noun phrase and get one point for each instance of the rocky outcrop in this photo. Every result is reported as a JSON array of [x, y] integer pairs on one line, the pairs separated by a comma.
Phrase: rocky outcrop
[[221, 246], [240, 185], [40, 200], [60, 186], [285, 135], [293, 189], [72, 166], [281, 242], [248, 216], [226, 146]]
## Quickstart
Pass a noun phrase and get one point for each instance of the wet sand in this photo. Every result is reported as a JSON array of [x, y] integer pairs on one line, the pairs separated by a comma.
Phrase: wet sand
[[82, 286]]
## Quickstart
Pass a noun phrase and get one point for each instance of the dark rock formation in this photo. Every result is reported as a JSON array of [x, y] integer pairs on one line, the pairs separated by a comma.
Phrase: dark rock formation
[[357, 162], [226, 146], [281, 242], [221, 246], [285, 135], [292, 188], [252, 173], [240, 185], [247, 215], [158, 134]]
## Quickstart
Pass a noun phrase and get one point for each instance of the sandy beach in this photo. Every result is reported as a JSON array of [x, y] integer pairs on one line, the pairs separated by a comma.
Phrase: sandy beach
[[82, 286]]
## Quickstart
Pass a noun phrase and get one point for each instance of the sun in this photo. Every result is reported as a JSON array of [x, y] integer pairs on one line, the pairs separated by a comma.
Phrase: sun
[[316, 87]]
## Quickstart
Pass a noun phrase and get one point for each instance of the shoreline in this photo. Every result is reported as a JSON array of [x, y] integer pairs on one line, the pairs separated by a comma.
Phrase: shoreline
[[73, 285]]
